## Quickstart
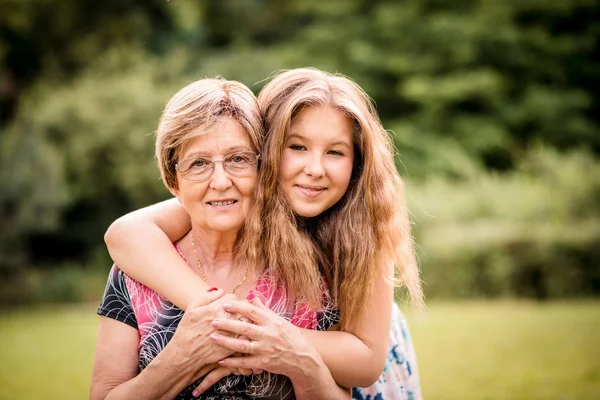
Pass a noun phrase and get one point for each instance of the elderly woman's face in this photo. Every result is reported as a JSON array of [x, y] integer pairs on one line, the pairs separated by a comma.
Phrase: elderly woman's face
[[221, 201]]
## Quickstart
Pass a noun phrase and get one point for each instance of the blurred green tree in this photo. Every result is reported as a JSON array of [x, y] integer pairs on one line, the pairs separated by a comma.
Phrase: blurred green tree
[[465, 86]]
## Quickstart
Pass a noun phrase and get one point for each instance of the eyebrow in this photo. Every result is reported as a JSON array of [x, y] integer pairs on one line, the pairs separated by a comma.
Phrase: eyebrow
[[338, 143], [232, 149]]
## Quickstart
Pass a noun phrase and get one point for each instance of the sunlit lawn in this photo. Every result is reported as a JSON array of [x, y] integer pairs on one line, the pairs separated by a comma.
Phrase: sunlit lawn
[[47, 353], [472, 350], [509, 350]]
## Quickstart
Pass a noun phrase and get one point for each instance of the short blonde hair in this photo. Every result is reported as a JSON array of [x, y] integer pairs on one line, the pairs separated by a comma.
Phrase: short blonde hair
[[203, 103]]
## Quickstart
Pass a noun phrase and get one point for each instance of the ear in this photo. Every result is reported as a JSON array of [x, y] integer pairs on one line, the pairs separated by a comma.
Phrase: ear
[[175, 192]]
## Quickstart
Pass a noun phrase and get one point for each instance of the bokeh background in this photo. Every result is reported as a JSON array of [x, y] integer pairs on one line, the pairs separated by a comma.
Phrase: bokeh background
[[493, 105]]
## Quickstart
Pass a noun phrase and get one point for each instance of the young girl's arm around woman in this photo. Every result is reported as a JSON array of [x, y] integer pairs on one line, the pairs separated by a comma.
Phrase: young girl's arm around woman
[[138, 245]]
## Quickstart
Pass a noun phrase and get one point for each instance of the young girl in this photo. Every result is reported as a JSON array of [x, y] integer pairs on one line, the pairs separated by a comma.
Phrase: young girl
[[327, 185]]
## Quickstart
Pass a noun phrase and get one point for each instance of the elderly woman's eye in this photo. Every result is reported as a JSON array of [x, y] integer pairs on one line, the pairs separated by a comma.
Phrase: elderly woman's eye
[[199, 163], [238, 158]]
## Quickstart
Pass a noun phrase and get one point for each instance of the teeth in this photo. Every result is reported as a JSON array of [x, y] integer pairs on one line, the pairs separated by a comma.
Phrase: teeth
[[222, 203]]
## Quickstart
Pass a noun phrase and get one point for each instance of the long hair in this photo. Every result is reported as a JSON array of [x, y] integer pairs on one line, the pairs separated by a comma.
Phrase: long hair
[[353, 243]]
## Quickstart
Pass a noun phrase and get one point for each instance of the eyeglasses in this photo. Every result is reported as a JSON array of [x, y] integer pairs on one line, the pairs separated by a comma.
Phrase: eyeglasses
[[199, 168]]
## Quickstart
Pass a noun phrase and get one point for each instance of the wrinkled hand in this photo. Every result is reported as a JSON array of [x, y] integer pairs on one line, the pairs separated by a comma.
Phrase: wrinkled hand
[[214, 373], [277, 345], [191, 339]]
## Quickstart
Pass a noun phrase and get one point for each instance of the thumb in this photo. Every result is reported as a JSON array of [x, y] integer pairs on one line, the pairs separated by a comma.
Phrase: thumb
[[206, 298]]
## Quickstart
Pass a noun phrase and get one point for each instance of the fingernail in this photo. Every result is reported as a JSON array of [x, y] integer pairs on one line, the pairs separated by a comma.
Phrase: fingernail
[[227, 306], [221, 362], [216, 323], [195, 393], [214, 336]]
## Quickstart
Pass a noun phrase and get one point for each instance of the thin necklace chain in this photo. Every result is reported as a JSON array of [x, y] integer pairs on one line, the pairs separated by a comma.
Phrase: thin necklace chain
[[204, 274]]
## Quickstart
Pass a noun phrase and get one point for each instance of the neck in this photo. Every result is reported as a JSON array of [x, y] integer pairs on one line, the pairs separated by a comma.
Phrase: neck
[[214, 253], [215, 249]]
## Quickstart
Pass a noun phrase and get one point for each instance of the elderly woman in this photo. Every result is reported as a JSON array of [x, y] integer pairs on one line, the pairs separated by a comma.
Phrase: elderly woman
[[207, 144]]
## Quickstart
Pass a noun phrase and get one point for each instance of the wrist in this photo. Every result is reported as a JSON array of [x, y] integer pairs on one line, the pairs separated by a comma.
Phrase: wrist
[[309, 368], [168, 373], [178, 360], [313, 383]]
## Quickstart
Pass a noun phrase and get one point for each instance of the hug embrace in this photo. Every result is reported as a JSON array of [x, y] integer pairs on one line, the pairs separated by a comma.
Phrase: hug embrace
[[271, 273]]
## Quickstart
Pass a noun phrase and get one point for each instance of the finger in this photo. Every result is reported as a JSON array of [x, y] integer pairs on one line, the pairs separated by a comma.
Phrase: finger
[[241, 318], [257, 371], [256, 301], [234, 344], [205, 370], [248, 362], [217, 304], [255, 314], [226, 298], [213, 377], [206, 298], [244, 371], [240, 328]]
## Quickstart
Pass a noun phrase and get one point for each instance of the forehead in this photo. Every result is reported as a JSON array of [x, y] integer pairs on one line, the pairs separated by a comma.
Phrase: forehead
[[218, 139], [322, 123]]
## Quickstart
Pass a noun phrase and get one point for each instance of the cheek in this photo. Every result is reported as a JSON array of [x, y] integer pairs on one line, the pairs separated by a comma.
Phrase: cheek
[[290, 164], [247, 186], [343, 173]]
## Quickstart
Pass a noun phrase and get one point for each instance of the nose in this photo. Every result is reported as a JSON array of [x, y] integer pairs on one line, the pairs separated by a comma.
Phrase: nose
[[220, 179], [314, 166]]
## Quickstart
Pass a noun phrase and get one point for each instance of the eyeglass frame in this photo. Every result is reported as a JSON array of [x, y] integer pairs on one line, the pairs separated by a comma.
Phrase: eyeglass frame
[[222, 160]]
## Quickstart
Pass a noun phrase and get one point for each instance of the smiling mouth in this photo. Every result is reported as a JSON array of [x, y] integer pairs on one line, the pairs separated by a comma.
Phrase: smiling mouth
[[311, 191], [222, 203]]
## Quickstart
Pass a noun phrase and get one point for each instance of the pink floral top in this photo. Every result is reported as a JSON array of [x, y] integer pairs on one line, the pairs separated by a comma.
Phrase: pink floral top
[[156, 320]]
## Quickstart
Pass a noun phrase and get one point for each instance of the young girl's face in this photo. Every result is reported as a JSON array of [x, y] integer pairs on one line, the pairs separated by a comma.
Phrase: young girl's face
[[317, 161]]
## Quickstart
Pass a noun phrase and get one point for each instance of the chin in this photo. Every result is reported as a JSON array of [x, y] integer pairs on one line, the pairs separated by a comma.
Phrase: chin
[[225, 226], [308, 212]]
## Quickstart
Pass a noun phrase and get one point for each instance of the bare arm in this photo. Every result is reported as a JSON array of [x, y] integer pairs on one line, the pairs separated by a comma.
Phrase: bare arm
[[318, 383], [357, 357], [115, 374], [180, 363], [141, 244]]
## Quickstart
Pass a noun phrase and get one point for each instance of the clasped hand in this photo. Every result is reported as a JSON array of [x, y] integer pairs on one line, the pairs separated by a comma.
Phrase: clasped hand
[[259, 339]]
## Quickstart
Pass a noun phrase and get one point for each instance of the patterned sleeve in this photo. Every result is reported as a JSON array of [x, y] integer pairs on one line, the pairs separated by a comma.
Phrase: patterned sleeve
[[116, 303]]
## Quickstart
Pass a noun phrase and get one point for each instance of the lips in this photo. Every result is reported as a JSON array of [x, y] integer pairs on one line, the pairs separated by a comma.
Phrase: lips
[[310, 190]]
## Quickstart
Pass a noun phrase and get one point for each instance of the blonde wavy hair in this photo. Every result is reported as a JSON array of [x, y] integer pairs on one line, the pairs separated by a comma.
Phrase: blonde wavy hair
[[353, 242], [202, 104]]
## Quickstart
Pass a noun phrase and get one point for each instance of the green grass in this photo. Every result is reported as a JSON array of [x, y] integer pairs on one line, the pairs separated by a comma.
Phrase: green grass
[[466, 350], [47, 353], [509, 350]]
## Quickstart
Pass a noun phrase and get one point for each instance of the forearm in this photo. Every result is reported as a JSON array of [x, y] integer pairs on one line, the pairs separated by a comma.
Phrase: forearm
[[150, 258], [351, 361], [316, 382], [146, 387], [163, 378], [356, 356], [141, 244]]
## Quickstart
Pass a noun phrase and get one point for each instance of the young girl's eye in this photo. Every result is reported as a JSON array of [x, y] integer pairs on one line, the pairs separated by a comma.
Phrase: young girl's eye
[[335, 153], [297, 147]]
